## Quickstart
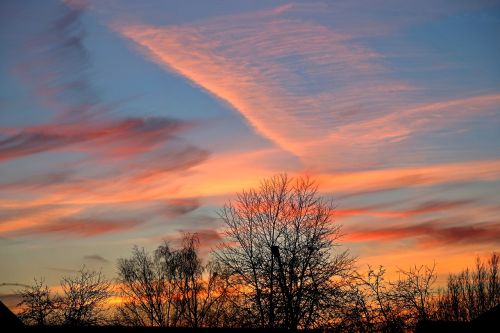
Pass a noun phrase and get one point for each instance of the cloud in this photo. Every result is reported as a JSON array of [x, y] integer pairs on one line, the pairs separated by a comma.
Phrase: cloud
[[113, 137], [84, 166], [314, 91], [438, 205], [41, 181], [398, 126], [217, 178], [208, 238], [426, 207], [23, 219], [396, 178], [432, 233], [81, 218], [181, 206], [223, 175], [53, 61], [29, 143], [82, 227], [96, 258], [266, 84]]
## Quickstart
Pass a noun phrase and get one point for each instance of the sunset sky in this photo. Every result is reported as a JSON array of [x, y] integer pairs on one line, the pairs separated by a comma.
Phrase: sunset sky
[[128, 122]]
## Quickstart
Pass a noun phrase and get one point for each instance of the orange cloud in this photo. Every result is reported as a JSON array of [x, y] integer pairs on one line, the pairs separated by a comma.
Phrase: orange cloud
[[424, 208], [114, 137], [399, 125], [260, 82], [394, 178], [225, 175], [27, 218], [82, 227], [433, 233], [313, 91], [278, 73], [229, 174], [79, 219]]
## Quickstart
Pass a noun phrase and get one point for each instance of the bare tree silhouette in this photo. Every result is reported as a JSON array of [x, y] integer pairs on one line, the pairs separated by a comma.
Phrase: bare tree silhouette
[[280, 251], [172, 288], [381, 305], [83, 298], [37, 304], [471, 292], [413, 292], [147, 288], [383, 313], [82, 302]]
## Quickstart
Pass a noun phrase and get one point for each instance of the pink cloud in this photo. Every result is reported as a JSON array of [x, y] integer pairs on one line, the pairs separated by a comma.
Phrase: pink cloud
[[261, 82], [79, 219], [394, 178], [313, 91], [421, 209], [432, 234], [115, 137], [82, 227]]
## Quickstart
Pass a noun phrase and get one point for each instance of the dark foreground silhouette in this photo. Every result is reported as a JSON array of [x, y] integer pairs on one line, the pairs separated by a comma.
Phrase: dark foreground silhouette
[[125, 329], [487, 322], [7, 318]]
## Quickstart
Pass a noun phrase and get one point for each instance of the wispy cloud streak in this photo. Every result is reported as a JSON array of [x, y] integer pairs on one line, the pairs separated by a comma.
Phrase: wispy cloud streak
[[96, 258], [315, 92], [381, 210], [116, 137], [433, 233], [396, 178], [272, 70], [100, 158]]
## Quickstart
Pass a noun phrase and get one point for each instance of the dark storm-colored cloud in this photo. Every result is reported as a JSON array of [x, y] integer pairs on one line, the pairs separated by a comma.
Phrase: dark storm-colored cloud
[[208, 238], [116, 137], [438, 205], [178, 207], [96, 258], [384, 210], [481, 233], [433, 233], [83, 227], [24, 143]]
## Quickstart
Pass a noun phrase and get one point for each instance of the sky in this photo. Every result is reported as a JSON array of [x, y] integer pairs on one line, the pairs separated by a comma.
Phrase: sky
[[131, 122]]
